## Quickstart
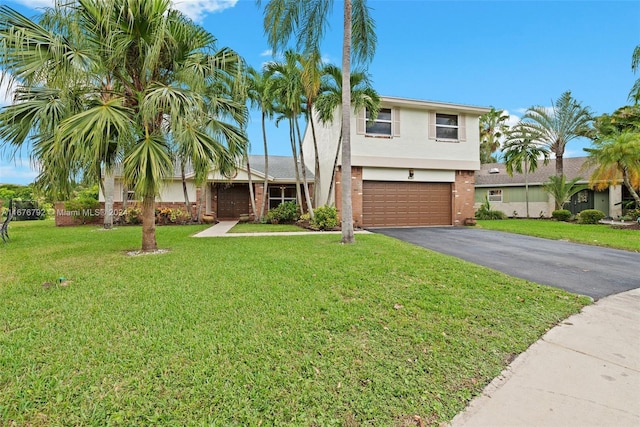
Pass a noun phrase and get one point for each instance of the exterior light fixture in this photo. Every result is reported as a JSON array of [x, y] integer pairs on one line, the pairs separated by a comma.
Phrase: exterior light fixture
[[410, 173]]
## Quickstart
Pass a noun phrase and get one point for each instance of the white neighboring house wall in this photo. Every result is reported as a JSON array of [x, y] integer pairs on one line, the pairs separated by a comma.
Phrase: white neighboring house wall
[[411, 145], [171, 191]]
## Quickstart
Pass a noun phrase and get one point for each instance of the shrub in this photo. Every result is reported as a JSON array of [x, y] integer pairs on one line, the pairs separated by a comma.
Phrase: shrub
[[82, 209], [561, 215], [634, 214], [284, 213], [172, 216], [131, 215], [325, 218], [485, 211], [590, 216]]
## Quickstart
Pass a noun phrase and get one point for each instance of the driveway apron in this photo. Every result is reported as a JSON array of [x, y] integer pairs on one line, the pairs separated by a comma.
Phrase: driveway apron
[[582, 269]]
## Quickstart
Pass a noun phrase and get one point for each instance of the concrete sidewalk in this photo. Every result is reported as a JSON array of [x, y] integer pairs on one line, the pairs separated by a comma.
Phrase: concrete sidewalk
[[222, 228], [583, 372]]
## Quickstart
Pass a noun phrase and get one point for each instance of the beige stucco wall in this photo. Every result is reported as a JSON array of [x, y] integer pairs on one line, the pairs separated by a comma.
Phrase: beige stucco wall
[[396, 174], [410, 149], [170, 192]]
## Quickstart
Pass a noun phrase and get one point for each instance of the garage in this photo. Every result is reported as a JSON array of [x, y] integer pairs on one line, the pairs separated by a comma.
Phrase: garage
[[392, 204]]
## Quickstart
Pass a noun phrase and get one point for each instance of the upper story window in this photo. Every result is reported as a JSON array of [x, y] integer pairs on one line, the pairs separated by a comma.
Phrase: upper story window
[[381, 125], [446, 126]]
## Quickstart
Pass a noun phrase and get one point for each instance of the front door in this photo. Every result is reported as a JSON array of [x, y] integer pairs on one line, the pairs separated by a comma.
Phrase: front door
[[233, 201], [580, 201]]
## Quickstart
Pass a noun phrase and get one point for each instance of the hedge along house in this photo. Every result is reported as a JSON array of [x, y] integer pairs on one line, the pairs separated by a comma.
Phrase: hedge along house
[[507, 194], [413, 166], [224, 197]]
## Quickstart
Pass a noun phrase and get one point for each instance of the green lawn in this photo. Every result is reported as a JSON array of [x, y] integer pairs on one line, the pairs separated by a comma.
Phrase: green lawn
[[598, 234], [285, 330], [249, 227]]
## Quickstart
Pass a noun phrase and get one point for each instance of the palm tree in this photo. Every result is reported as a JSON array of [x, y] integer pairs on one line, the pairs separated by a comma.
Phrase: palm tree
[[258, 95], [616, 157], [308, 20], [363, 95], [142, 81], [566, 120], [520, 149], [492, 129], [562, 190], [286, 88]]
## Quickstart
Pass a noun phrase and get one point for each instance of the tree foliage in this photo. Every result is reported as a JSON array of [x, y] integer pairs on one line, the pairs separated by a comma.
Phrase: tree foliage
[[562, 190], [493, 128]]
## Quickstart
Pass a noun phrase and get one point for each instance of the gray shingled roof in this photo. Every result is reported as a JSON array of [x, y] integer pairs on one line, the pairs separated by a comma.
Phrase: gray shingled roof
[[280, 167], [573, 168]]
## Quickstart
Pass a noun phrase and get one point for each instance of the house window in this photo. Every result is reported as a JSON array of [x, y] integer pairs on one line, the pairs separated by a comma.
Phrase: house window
[[281, 194], [495, 195], [446, 126], [131, 195], [381, 125]]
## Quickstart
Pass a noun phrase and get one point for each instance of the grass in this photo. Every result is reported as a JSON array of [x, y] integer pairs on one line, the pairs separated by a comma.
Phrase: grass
[[249, 227], [597, 234], [284, 330]]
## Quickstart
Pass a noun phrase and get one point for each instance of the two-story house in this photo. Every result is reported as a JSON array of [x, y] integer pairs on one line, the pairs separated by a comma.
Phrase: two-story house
[[412, 166]]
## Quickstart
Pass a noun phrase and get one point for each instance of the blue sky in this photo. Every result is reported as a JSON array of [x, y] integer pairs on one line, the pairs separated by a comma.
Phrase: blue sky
[[508, 54]]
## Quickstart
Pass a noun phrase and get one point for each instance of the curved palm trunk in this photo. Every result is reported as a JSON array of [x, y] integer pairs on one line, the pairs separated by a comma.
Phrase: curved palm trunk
[[316, 178], [333, 171], [149, 243], [203, 193], [627, 183], [265, 187], [347, 208], [251, 192], [305, 183]]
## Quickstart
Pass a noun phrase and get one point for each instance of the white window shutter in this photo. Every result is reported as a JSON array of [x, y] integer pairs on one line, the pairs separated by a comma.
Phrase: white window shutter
[[462, 127], [396, 121], [432, 125], [360, 122]]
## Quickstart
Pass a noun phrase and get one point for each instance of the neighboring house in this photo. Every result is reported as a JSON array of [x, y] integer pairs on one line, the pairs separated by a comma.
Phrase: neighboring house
[[413, 166], [507, 194], [226, 197]]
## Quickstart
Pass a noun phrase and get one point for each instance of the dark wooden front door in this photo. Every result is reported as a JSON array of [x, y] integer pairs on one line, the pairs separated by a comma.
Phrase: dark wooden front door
[[233, 201], [580, 201]]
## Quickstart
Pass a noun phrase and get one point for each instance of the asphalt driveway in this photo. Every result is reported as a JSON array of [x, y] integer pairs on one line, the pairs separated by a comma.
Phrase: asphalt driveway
[[581, 269]]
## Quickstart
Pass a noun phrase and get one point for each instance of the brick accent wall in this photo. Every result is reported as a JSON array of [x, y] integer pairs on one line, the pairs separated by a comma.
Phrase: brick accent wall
[[356, 194], [66, 218], [463, 196]]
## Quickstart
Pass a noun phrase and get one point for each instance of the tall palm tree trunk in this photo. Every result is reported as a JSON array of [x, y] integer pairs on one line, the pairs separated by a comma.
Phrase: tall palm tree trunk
[[149, 243], [559, 164], [627, 183], [185, 192], [108, 191], [294, 150], [265, 186], [316, 177], [251, 192], [333, 170], [305, 182], [526, 185], [347, 208]]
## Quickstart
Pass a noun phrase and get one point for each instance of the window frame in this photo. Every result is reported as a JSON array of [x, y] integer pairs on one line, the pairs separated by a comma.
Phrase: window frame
[[378, 120], [495, 191], [282, 198], [443, 126]]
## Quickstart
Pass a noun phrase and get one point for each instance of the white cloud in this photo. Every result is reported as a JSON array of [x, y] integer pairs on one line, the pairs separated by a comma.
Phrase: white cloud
[[6, 90], [267, 52], [22, 171], [512, 119], [196, 9], [34, 4]]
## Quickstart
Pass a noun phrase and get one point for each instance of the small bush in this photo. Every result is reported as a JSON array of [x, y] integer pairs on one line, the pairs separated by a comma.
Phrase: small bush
[[82, 210], [634, 214], [131, 215], [172, 216], [485, 212], [590, 216], [325, 218], [561, 215], [285, 213]]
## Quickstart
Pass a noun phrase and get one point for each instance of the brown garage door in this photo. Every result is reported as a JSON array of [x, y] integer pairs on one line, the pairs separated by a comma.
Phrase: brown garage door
[[388, 204]]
